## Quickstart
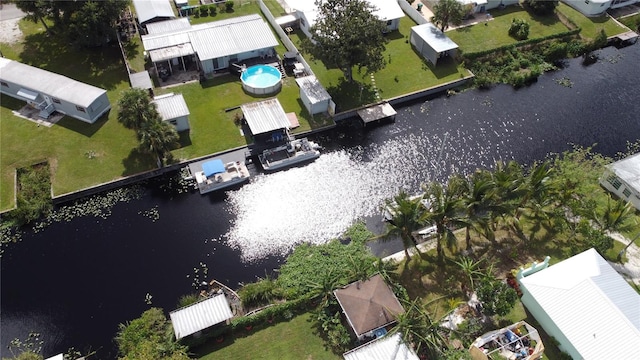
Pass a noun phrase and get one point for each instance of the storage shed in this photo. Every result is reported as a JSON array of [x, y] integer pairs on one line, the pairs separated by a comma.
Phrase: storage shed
[[149, 11], [314, 96], [49, 92], [432, 43], [173, 108]]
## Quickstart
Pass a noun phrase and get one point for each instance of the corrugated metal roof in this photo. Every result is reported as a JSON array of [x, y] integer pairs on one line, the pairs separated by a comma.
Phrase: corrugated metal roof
[[390, 347], [171, 52], [159, 41], [167, 26], [171, 106], [265, 116], [232, 36], [49, 83], [434, 37], [199, 316], [141, 80], [150, 9], [628, 170], [313, 89], [591, 304], [385, 9]]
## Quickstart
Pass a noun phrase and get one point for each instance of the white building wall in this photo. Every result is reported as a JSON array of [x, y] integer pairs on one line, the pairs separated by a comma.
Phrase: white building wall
[[423, 48], [589, 7], [608, 181], [181, 123], [493, 4]]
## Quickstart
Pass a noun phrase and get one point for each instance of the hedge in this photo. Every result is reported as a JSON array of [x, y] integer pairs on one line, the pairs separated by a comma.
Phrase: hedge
[[477, 54]]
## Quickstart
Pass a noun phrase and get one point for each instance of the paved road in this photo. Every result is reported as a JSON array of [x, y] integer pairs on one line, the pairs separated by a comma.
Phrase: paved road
[[10, 11]]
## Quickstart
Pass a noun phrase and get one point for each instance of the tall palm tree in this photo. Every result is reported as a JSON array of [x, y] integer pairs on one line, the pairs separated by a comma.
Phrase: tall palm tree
[[406, 216], [507, 179], [478, 200], [445, 211], [135, 109], [158, 138]]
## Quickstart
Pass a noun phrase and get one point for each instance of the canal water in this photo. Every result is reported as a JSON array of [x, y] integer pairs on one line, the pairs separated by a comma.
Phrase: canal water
[[75, 281]]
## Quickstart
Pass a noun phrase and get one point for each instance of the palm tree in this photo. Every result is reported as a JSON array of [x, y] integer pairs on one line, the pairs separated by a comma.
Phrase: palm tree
[[323, 290], [406, 216], [614, 216], [421, 329], [158, 138], [507, 179], [478, 200], [470, 269], [445, 212], [135, 109]]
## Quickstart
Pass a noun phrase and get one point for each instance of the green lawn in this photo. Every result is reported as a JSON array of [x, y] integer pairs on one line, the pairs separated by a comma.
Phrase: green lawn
[[496, 32], [590, 26], [405, 72], [632, 22], [295, 339]]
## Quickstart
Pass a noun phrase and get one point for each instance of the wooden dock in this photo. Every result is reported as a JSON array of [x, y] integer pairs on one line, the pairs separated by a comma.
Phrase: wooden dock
[[377, 113]]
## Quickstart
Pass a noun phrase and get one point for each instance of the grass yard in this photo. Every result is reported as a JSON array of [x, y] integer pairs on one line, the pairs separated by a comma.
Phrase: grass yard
[[404, 73], [632, 22], [82, 155], [495, 33], [294, 339], [591, 26]]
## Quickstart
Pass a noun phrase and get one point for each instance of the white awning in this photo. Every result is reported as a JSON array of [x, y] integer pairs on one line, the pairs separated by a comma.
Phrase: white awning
[[28, 94], [199, 316]]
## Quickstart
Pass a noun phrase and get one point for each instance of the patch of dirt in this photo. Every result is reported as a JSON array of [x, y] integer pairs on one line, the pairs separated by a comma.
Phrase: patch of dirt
[[10, 31]]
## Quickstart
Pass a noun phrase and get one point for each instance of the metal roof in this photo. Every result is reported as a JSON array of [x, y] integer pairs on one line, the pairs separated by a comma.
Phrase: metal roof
[[159, 41], [313, 89], [434, 37], [591, 304], [168, 26], [48, 83], [199, 316], [369, 304], [265, 116], [628, 170], [385, 9], [390, 347], [141, 80], [150, 9], [171, 52], [171, 106], [231, 36]]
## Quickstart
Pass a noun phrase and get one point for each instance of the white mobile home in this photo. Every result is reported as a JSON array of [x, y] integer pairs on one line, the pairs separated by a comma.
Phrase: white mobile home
[[49, 92], [623, 179], [173, 108], [306, 11], [216, 45], [597, 7]]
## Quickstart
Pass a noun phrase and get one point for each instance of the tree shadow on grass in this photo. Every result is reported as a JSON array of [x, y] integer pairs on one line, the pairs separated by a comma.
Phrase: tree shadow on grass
[[184, 138], [350, 95], [82, 127], [137, 162], [446, 66], [100, 66]]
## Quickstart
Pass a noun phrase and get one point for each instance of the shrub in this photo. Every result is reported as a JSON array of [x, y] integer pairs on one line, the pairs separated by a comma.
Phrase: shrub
[[541, 7], [213, 10], [187, 300], [203, 10], [34, 195], [519, 29], [556, 51], [229, 5], [496, 296], [259, 293]]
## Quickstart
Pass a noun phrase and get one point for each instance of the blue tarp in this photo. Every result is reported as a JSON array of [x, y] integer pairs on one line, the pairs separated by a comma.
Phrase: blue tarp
[[213, 167]]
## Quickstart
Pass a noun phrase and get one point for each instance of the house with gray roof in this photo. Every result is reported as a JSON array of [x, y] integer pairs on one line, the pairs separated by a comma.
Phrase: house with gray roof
[[215, 45], [50, 92]]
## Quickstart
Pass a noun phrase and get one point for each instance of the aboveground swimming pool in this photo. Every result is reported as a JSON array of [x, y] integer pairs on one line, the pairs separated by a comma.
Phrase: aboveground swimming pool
[[261, 80]]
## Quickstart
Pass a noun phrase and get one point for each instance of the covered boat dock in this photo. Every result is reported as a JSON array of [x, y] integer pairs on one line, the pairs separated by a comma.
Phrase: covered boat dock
[[200, 316], [377, 113]]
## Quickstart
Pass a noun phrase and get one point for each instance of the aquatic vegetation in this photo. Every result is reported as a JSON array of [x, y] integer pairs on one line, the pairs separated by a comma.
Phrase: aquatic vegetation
[[97, 205], [152, 213], [564, 81]]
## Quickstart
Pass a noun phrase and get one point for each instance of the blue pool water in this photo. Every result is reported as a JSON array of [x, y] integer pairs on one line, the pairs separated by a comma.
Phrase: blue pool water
[[261, 76]]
